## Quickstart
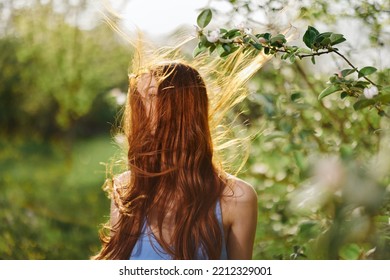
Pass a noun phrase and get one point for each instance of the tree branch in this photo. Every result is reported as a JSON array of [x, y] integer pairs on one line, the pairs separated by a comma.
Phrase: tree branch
[[353, 67]]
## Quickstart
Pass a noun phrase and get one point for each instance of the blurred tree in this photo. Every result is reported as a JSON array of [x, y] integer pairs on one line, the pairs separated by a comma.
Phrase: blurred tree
[[55, 71], [307, 208]]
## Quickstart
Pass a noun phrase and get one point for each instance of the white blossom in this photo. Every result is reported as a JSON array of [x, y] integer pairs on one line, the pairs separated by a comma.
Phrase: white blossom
[[329, 172], [328, 180], [370, 92], [213, 36], [119, 96], [248, 31], [241, 26]]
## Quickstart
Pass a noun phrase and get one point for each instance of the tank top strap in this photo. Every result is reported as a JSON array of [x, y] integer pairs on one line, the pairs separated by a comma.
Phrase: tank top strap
[[148, 248], [218, 214]]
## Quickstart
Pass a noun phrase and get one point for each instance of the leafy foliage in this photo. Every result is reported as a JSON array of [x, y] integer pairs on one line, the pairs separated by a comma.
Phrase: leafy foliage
[[52, 204], [315, 146], [55, 89], [51, 86], [226, 42]]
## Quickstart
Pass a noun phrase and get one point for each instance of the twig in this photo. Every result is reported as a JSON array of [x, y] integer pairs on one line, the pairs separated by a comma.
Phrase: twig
[[353, 67], [314, 54]]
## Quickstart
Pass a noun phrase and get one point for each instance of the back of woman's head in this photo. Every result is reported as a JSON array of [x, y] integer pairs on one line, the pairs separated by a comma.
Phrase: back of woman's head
[[167, 117]]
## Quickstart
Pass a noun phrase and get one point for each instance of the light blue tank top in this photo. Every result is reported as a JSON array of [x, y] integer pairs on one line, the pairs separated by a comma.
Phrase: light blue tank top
[[148, 248]]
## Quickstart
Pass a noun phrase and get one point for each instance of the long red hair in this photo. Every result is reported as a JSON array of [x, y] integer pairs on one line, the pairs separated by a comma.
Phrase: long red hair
[[172, 169]]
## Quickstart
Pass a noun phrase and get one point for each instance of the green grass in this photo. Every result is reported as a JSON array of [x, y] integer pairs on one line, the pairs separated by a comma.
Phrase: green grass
[[52, 203]]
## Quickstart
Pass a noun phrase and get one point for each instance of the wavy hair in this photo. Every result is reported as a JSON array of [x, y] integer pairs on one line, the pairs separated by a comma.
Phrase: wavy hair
[[171, 160]]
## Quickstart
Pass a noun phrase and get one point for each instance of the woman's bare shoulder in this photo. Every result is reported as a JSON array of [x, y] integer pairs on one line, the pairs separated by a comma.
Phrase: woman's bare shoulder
[[239, 200], [241, 217], [239, 191]]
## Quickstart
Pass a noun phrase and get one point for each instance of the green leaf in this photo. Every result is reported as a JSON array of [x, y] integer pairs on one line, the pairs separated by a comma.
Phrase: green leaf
[[284, 56], [361, 84], [278, 40], [382, 219], [336, 39], [203, 40], [363, 103], [223, 30], [212, 48], [356, 89], [343, 95], [257, 46], [308, 229], [323, 39], [385, 89], [313, 60], [385, 98], [347, 72], [295, 96], [198, 49], [204, 18], [220, 50], [323, 36], [329, 90], [365, 71], [309, 36], [233, 33], [350, 251], [227, 48], [325, 42], [266, 36], [304, 50]]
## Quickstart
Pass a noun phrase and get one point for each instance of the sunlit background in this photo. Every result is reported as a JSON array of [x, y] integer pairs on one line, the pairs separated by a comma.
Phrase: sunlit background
[[321, 169]]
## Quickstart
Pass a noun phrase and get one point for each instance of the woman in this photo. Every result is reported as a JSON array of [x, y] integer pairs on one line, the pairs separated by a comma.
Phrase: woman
[[175, 203]]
